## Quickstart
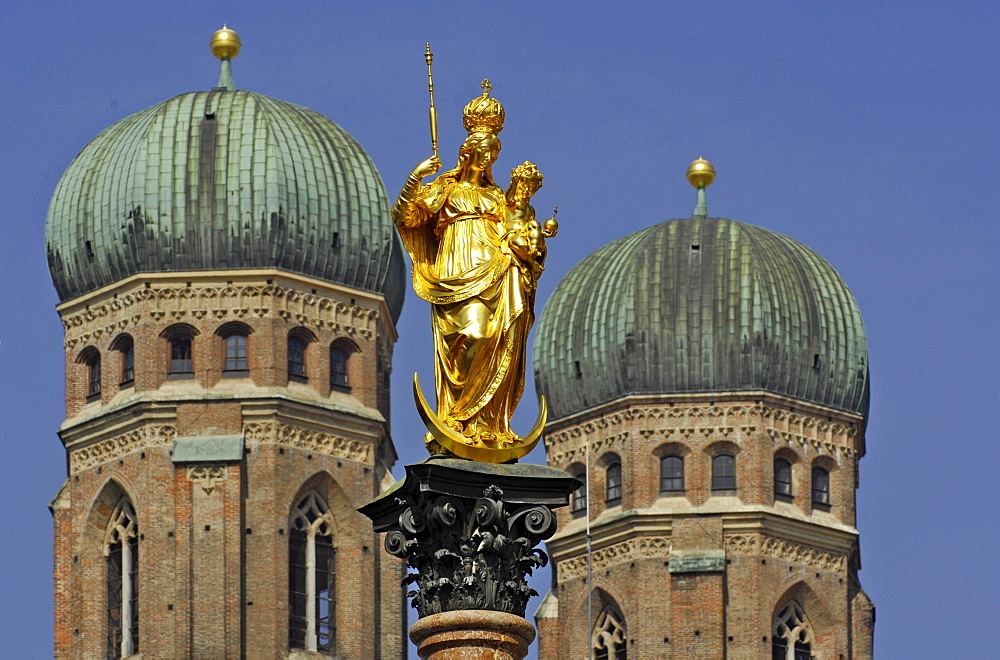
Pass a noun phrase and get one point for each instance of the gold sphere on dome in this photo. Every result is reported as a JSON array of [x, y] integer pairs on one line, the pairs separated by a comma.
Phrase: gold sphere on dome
[[700, 173], [225, 43]]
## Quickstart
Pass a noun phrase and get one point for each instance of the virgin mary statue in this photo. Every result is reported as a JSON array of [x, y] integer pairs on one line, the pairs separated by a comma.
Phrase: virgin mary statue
[[481, 292]]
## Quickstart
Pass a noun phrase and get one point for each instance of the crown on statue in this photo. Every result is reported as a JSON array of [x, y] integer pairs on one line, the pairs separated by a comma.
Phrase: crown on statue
[[483, 114]]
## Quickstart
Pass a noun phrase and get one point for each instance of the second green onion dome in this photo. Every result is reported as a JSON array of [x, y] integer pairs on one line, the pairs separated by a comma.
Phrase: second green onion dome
[[701, 305]]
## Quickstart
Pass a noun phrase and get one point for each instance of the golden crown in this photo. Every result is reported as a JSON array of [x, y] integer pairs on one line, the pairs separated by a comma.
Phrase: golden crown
[[483, 114], [527, 171]]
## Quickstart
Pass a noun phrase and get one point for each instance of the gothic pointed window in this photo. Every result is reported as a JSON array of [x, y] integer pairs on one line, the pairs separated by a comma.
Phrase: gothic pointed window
[[724, 474], [792, 636], [614, 483], [671, 474], [608, 638], [311, 577], [821, 488], [121, 558], [782, 477]]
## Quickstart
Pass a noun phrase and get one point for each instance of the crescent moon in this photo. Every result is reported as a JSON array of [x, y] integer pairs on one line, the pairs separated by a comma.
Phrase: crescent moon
[[457, 443]]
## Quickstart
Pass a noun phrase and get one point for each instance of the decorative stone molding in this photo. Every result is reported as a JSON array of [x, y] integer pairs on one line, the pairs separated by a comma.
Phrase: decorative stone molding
[[207, 476], [309, 440], [684, 422], [470, 530], [646, 547], [470, 554], [180, 302], [761, 545], [154, 435]]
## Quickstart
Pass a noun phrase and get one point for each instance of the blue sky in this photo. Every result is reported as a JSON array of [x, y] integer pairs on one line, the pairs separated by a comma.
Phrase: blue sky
[[867, 131]]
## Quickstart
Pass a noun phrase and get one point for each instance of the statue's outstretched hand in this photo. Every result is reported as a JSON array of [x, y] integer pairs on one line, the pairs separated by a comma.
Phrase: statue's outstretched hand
[[426, 168]]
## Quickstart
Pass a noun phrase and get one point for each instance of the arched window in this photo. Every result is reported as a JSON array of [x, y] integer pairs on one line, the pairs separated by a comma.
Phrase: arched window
[[121, 553], [236, 353], [311, 577], [614, 483], [126, 349], [821, 488], [234, 342], [792, 636], [298, 342], [723, 473], [181, 361], [339, 378], [578, 500], [92, 358], [782, 477], [671, 474], [128, 364], [180, 339], [608, 639]]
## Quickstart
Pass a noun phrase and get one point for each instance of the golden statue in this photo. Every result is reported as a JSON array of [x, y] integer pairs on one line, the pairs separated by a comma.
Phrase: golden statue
[[477, 254]]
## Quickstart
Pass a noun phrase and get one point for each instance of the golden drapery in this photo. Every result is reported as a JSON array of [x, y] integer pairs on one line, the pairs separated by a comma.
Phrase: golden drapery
[[482, 299]]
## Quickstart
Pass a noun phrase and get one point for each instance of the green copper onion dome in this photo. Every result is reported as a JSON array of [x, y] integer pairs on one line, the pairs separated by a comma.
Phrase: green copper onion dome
[[701, 305], [223, 180]]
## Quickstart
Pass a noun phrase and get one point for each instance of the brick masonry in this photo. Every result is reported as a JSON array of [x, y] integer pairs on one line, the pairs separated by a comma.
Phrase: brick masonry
[[704, 574], [213, 537]]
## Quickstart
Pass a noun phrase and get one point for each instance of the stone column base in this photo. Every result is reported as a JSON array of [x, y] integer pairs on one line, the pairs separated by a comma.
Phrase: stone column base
[[471, 635]]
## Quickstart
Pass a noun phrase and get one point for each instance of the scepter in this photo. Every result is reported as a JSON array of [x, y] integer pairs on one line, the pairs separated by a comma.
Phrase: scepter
[[430, 88]]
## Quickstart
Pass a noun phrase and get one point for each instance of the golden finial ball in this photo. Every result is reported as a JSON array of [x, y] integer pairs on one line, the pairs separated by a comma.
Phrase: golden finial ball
[[700, 173], [225, 44]]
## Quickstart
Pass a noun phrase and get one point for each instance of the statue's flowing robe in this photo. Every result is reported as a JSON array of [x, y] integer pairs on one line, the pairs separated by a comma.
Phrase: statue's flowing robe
[[481, 299]]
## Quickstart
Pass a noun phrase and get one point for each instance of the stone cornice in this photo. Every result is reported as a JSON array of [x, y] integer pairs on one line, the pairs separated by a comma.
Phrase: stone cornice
[[268, 397], [643, 547], [710, 399], [91, 452], [680, 422], [759, 533], [108, 449], [143, 424], [762, 545], [272, 432], [193, 296]]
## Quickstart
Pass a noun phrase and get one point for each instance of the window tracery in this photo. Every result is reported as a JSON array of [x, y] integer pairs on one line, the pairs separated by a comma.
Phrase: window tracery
[[792, 635], [121, 553], [312, 576], [608, 638]]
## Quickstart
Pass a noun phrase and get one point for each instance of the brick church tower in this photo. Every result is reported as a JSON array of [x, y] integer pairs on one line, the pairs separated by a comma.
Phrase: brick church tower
[[229, 282], [711, 379]]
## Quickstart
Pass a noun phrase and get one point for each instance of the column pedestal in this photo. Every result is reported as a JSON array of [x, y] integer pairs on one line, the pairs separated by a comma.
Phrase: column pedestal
[[472, 635]]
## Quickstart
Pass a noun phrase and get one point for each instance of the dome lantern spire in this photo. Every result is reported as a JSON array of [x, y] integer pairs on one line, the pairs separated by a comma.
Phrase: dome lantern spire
[[225, 45], [701, 174]]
